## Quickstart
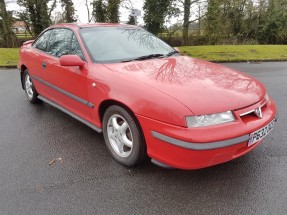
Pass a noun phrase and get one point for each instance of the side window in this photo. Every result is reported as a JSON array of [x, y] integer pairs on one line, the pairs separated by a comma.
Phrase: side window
[[42, 41], [75, 48], [60, 41]]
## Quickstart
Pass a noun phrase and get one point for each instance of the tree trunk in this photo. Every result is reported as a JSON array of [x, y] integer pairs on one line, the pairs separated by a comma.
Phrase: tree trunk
[[199, 20], [28, 28], [187, 4], [9, 38]]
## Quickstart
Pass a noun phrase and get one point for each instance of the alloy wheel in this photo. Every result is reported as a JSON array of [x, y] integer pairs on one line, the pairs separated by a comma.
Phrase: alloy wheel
[[29, 87], [120, 135]]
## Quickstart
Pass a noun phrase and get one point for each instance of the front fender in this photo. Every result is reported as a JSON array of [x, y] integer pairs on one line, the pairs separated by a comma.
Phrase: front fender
[[140, 98]]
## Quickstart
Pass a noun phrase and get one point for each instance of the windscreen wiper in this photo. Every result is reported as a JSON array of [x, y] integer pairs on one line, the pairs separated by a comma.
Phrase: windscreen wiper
[[145, 57], [172, 53]]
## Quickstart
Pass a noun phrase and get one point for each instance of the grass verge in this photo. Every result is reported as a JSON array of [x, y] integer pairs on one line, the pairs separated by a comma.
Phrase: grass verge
[[225, 53], [9, 57], [237, 53]]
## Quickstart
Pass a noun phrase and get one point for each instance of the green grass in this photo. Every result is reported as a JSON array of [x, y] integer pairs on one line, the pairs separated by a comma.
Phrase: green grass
[[9, 57], [237, 53], [228, 53], [25, 37]]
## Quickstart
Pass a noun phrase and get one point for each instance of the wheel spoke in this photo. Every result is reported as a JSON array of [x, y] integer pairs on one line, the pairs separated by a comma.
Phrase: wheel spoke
[[29, 87], [30, 91], [115, 123], [29, 80], [127, 142], [123, 128], [120, 147]]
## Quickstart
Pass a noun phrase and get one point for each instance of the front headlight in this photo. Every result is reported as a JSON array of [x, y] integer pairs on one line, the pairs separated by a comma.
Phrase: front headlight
[[211, 119]]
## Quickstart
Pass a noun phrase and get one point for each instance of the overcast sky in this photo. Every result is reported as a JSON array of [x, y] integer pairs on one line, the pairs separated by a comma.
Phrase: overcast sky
[[81, 10], [124, 13]]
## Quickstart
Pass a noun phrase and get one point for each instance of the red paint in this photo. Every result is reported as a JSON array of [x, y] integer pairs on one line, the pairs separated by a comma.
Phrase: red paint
[[160, 92], [71, 60]]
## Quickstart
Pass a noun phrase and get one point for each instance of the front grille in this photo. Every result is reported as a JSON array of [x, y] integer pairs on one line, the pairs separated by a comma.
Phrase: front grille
[[254, 113]]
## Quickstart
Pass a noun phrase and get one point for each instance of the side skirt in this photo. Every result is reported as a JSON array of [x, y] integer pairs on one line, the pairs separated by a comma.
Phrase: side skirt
[[70, 113], [160, 164]]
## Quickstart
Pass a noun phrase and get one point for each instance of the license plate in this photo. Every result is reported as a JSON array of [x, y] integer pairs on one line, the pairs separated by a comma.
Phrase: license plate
[[261, 133]]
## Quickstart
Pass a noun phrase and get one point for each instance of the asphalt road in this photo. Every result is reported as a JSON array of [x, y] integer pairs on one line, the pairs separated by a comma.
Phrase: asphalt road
[[89, 181]]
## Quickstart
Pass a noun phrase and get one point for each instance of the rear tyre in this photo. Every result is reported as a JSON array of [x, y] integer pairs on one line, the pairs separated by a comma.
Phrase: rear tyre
[[29, 88], [123, 136]]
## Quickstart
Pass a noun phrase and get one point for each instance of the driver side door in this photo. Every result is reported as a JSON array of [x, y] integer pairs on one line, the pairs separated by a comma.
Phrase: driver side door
[[67, 86]]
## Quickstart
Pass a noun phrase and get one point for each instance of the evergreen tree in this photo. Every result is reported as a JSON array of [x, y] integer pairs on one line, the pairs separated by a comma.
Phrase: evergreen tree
[[275, 22], [38, 12], [69, 11], [99, 11], [113, 11], [155, 14], [213, 16], [106, 10]]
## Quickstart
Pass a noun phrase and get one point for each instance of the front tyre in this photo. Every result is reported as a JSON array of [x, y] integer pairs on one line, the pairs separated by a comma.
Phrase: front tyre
[[123, 136], [29, 88]]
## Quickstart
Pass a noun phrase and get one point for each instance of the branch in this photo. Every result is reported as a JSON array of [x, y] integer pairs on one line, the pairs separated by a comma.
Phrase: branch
[[88, 10], [191, 21], [171, 33], [52, 7]]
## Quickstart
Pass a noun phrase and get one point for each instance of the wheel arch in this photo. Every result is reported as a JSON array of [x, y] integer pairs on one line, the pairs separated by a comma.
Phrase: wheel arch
[[110, 102], [107, 103]]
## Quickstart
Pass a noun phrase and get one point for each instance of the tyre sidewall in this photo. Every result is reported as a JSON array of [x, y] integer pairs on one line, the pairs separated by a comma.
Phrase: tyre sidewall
[[138, 149], [34, 99]]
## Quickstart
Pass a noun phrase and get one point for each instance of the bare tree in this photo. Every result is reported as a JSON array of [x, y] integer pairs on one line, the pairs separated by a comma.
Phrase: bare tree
[[87, 4]]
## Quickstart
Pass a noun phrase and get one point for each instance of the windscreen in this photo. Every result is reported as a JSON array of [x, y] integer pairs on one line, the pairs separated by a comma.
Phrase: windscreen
[[116, 44]]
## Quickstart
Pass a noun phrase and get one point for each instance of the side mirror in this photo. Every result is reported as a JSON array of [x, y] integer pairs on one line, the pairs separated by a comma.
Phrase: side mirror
[[71, 60], [176, 49]]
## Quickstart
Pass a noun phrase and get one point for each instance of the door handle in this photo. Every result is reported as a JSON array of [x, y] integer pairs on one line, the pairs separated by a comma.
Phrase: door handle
[[44, 65]]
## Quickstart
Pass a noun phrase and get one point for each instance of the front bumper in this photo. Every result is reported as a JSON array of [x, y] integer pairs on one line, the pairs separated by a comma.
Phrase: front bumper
[[195, 148]]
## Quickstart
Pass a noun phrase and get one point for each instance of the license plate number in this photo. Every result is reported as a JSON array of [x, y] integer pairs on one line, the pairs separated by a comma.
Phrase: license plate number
[[261, 133]]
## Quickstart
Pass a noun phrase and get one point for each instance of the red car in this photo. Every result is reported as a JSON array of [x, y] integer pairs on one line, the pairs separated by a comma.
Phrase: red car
[[145, 97]]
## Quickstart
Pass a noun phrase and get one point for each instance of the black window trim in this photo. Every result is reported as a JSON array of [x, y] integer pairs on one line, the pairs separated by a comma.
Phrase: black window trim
[[79, 45]]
